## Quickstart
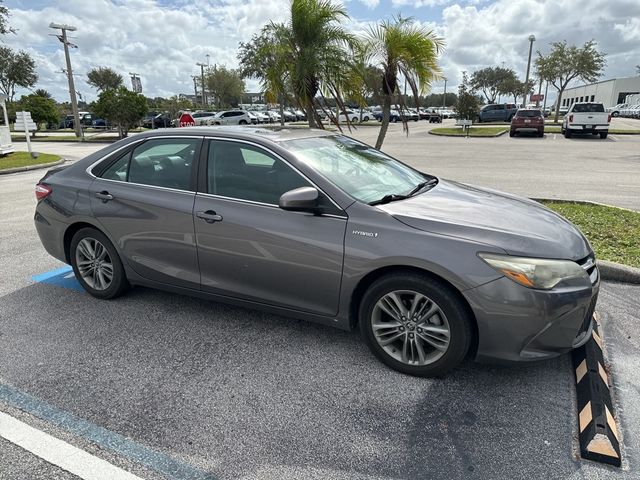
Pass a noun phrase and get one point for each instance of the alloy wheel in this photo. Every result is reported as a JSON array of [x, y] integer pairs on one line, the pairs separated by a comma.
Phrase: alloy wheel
[[94, 263], [410, 327]]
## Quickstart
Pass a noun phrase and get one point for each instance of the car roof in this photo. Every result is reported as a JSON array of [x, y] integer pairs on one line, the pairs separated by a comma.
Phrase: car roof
[[277, 134]]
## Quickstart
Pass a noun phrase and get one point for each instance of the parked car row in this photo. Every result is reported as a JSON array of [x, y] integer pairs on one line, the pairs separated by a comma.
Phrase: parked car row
[[627, 110]]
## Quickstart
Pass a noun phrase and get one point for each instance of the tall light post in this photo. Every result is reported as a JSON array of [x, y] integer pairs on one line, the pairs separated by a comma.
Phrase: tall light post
[[532, 38], [72, 88], [444, 97], [204, 99]]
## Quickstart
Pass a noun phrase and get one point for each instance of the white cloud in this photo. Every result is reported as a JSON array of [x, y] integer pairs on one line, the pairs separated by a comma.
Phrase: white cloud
[[370, 3], [163, 42]]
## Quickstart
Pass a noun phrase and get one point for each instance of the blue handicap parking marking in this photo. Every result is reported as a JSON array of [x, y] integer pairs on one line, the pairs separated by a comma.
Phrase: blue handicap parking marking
[[60, 277]]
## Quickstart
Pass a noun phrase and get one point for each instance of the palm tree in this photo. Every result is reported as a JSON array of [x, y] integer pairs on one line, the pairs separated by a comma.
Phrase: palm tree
[[41, 92], [303, 56], [402, 47]]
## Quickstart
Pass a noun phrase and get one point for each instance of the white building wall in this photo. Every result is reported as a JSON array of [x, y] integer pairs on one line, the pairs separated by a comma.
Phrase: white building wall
[[607, 92]]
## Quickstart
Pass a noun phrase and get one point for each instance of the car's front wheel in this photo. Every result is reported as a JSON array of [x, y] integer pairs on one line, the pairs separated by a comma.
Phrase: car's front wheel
[[415, 324], [96, 264]]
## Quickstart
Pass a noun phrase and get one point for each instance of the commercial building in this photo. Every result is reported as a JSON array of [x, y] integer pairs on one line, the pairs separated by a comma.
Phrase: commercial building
[[609, 92]]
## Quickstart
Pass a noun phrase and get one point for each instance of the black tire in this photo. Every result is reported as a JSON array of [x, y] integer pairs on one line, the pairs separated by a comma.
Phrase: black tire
[[541, 134], [567, 133], [242, 122], [119, 283], [512, 133], [615, 114], [604, 135], [449, 302]]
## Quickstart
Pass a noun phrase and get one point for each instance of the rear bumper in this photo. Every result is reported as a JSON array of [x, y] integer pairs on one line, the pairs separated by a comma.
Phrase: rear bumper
[[51, 233], [588, 128], [518, 324]]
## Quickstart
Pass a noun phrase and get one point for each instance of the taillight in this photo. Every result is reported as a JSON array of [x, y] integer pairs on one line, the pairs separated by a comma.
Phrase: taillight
[[571, 118], [609, 119], [42, 191]]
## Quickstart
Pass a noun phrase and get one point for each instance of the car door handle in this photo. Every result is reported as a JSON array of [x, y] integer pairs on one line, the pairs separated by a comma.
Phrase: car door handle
[[104, 196], [209, 216]]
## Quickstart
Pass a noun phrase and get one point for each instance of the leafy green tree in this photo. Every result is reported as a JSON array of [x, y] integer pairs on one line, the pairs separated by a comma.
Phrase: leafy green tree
[[265, 58], [514, 87], [121, 107], [467, 104], [402, 47], [566, 63], [41, 92], [17, 69], [104, 78], [491, 81], [4, 22], [225, 85], [43, 109]]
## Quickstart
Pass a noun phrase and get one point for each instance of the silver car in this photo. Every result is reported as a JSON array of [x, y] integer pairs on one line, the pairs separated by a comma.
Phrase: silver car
[[319, 226]]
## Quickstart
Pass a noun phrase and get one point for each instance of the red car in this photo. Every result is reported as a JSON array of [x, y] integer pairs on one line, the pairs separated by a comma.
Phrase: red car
[[527, 120]]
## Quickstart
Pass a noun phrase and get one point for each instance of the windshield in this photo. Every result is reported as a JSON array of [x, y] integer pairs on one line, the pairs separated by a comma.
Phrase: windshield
[[361, 171]]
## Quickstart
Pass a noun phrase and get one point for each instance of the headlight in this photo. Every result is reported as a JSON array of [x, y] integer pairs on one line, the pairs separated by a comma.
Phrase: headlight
[[534, 272]]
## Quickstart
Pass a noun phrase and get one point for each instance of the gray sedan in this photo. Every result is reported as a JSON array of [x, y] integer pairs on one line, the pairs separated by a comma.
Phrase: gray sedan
[[319, 226]]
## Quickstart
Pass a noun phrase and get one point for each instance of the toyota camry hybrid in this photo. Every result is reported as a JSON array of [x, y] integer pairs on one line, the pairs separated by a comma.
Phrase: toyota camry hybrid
[[319, 226]]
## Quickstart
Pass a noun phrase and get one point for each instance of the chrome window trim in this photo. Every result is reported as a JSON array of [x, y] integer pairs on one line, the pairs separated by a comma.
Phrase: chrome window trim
[[155, 187], [249, 142], [262, 204]]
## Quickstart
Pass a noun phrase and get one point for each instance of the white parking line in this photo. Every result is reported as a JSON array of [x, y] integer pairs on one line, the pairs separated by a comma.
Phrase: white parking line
[[60, 453]]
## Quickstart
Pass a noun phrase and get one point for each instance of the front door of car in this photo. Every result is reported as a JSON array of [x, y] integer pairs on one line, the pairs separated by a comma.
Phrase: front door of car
[[250, 248], [143, 198]]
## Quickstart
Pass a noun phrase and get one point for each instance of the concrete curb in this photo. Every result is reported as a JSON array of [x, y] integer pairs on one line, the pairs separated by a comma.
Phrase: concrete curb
[[582, 202], [430, 132], [31, 167], [618, 272]]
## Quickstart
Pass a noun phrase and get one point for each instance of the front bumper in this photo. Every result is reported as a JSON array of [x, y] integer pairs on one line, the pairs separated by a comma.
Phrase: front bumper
[[518, 324]]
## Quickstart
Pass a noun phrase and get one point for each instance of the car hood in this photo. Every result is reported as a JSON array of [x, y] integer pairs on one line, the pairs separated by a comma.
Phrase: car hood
[[515, 224]]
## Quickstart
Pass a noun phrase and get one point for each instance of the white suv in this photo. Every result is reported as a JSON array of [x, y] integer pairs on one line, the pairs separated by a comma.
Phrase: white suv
[[201, 118], [231, 117]]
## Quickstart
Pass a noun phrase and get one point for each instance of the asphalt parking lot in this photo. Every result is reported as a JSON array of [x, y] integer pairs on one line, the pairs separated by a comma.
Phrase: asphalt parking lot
[[165, 386]]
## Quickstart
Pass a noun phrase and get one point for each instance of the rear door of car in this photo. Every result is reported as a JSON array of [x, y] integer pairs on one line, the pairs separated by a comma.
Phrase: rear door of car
[[250, 248], [143, 198]]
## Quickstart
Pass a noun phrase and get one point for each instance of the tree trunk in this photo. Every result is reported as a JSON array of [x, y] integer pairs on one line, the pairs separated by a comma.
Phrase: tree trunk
[[386, 113], [311, 114], [281, 99], [558, 100]]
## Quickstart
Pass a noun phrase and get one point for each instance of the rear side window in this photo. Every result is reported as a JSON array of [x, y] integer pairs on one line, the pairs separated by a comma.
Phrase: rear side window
[[588, 108], [159, 162]]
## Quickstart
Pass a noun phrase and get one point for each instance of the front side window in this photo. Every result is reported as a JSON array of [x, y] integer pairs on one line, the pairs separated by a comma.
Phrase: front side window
[[159, 162], [359, 170], [245, 172]]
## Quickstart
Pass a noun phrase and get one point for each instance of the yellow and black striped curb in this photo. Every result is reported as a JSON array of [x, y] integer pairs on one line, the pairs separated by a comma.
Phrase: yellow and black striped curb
[[598, 434]]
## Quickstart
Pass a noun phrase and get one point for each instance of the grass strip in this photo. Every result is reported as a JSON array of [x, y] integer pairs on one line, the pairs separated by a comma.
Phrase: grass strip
[[613, 232], [23, 159]]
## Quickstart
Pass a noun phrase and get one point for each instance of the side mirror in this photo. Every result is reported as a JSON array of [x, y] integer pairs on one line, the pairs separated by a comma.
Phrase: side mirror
[[303, 199]]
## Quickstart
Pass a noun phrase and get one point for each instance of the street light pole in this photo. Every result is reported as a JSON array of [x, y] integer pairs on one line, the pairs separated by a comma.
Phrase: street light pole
[[72, 88], [532, 38], [444, 97], [204, 99]]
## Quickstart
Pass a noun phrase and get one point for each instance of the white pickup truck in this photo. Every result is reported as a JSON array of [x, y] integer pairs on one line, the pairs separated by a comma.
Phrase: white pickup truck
[[590, 118]]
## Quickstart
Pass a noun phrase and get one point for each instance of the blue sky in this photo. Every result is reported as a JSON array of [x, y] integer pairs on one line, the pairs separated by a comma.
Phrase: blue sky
[[162, 40]]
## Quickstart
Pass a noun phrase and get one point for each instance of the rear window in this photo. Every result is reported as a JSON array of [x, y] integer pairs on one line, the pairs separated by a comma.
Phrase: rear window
[[529, 113], [588, 107]]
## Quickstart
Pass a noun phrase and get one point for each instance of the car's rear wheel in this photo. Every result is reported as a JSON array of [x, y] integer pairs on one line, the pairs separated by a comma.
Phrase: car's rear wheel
[[243, 122], [603, 135], [541, 134], [415, 324], [512, 133], [96, 264], [567, 133]]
